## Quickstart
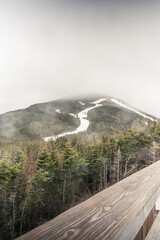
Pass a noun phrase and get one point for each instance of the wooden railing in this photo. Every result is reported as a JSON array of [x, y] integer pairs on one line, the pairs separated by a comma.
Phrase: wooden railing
[[118, 212]]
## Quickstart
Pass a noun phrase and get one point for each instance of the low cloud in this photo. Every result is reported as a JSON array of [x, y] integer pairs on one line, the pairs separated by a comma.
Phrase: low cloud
[[52, 50]]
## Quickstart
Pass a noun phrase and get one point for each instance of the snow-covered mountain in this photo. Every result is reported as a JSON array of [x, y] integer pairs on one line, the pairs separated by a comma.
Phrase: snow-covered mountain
[[63, 117]]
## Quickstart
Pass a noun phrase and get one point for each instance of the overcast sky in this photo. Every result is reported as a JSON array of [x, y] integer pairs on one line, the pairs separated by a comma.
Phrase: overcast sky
[[52, 48]]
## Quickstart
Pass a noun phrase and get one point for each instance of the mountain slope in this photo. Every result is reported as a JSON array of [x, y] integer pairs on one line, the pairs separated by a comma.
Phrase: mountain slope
[[56, 117]]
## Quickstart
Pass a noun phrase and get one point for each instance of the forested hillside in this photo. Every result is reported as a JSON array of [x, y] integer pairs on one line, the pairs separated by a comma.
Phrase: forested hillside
[[55, 117], [39, 180]]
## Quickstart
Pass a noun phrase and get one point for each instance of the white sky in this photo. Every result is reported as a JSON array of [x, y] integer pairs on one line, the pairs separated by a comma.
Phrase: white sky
[[54, 48]]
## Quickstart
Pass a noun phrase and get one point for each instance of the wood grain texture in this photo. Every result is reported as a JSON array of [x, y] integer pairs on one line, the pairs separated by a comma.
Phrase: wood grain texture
[[116, 213], [154, 233]]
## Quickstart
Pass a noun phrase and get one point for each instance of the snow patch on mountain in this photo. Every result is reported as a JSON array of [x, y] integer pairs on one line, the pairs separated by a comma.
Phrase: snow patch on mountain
[[84, 122], [58, 110], [131, 109], [82, 103], [73, 115]]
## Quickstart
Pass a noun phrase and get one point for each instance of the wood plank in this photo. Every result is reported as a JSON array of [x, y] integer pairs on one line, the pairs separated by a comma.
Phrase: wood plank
[[154, 233], [146, 225], [116, 213]]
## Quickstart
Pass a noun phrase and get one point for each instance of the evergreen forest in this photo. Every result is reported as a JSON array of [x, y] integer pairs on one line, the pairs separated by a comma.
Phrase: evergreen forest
[[39, 180]]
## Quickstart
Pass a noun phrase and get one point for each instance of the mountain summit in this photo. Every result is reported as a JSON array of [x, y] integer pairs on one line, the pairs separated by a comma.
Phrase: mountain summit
[[70, 116]]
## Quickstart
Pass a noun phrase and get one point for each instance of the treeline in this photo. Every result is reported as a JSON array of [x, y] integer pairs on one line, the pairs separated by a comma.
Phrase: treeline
[[40, 180]]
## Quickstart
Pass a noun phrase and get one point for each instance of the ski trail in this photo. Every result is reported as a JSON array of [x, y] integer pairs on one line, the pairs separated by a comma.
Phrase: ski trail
[[84, 122], [131, 109]]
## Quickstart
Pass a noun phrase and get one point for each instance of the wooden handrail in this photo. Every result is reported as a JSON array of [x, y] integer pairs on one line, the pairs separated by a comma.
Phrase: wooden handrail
[[154, 233], [117, 212]]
